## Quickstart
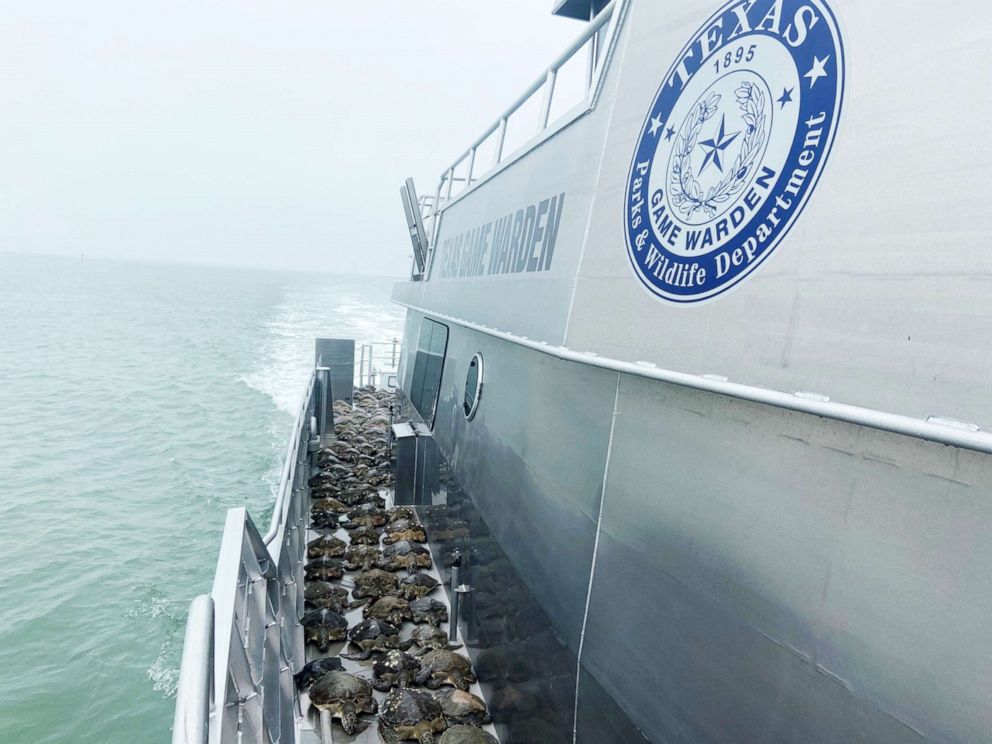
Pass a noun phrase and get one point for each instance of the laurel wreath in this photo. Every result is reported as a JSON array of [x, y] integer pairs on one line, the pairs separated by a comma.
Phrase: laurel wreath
[[687, 195]]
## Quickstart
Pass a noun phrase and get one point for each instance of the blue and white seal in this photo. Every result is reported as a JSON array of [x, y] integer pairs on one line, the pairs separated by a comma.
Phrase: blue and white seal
[[733, 145]]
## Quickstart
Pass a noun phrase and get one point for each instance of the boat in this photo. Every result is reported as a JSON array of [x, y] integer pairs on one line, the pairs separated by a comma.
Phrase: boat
[[691, 394]]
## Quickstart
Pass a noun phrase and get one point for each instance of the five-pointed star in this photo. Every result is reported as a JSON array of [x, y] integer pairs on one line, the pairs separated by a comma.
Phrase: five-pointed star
[[656, 124], [670, 133], [786, 96], [717, 145], [818, 70]]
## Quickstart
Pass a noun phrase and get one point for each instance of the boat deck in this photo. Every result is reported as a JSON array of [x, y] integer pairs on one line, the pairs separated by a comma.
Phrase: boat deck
[[308, 722]]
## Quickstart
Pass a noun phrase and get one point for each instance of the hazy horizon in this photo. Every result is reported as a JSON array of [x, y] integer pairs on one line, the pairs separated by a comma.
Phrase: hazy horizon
[[250, 134]]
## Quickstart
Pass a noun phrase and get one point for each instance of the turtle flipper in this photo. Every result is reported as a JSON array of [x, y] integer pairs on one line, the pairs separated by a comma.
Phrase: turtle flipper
[[349, 719], [387, 734]]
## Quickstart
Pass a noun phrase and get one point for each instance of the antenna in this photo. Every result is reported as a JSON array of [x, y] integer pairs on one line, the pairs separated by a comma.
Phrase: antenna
[[415, 224]]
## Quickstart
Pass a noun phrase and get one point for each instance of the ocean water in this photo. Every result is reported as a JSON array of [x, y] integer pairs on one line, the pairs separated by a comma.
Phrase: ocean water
[[137, 403]]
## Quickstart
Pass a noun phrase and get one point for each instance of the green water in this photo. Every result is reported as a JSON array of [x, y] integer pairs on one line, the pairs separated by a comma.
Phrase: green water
[[137, 403]]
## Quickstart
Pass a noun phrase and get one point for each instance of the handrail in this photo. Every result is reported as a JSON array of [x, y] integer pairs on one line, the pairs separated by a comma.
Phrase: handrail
[[933, 429], [244, 639], [193, 695], [547, 81], [289, 467]]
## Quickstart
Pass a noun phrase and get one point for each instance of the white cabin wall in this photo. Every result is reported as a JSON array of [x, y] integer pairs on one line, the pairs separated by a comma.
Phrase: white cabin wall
[[879, 295]]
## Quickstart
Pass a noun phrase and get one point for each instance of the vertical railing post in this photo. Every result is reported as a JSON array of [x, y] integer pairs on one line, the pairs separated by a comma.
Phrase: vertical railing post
[[361, 366], [549, 92], [393, 364], [451, 181], [323, 398], [456, 566], [500, 139], [471, 168]]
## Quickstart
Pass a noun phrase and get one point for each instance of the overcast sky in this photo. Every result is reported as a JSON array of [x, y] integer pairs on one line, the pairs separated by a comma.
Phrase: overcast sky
[[247, 132]]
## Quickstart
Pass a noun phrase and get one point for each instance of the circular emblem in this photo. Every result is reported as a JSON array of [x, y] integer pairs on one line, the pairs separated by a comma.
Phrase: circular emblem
[[733, 145]]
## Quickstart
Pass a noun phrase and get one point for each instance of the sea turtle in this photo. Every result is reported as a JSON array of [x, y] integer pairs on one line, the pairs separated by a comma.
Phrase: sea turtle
[[316, 669], [323, 569], [370, 520], [374, 584], [394, 669], [324, 595], [427, 610], [362, 557], [410, 714], [404, 529], [324, 521], [401, 512], [373, 636], [460, 734], [327, 545], [363, 510], [391, 609], [405, 555], [344, 696], [461, 706], [416, 585], [441, 667], [365, 536], [428, 638], [323, 627], [327, 504], [354, 497]]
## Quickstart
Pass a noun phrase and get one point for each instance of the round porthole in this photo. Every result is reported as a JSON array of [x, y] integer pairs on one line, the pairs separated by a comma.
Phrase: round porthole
[[473, 387]]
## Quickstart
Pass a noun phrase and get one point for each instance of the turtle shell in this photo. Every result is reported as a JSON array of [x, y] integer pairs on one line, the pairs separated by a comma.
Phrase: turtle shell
[[429, 637], [413, 533], [461, 734], [320, 589], [363, 510], [375, 583], [365, 520], [322, 627], [324, 569], [440, 666], [391, 609], [345, 696], [395, 668], [427, 610], [327, 504], [323, 595], [327, 546], [405, 555], [401, 512], [365, 536], [410, 714], [324, 520], [362, 557], [316, 669], [417, 585], [461, 706], [374, 635]]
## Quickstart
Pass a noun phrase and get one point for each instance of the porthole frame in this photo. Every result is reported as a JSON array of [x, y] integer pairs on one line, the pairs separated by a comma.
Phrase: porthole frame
[[479, 362]]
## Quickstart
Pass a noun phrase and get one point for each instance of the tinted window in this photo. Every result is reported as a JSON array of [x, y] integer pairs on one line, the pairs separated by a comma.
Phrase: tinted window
[[427, 368]]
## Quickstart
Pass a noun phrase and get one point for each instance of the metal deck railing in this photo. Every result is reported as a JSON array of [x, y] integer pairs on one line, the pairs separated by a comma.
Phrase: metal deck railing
[[377, 357], [244, 639], [466, 169]]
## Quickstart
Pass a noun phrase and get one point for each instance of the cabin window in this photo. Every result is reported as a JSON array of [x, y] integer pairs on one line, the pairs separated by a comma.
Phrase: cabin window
[[473, 387], [427, 368]]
